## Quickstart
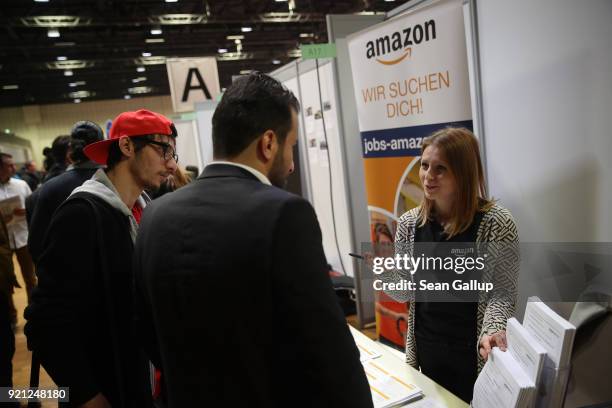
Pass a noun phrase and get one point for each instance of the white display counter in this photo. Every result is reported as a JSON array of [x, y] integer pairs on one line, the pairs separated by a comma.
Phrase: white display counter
[[435, 396]]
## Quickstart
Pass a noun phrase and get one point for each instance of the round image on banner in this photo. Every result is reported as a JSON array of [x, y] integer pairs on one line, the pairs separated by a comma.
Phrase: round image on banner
[[410, 192], [391, 316]]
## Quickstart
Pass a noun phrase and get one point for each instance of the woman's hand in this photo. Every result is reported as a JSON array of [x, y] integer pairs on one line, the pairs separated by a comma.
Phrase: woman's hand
[[488, 342]]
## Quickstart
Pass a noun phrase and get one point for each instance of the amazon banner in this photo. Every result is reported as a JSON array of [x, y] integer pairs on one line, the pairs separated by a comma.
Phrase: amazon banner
[[410, 75]]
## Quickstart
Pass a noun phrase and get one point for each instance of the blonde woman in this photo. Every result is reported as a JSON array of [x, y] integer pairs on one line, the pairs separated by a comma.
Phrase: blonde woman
[[449, 342]]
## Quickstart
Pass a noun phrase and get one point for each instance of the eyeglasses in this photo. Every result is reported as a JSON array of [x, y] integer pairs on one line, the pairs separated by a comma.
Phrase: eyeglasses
[[167, 150]]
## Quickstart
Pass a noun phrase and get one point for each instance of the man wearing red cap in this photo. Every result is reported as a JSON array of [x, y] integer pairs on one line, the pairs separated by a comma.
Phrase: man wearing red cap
[[80, 321]]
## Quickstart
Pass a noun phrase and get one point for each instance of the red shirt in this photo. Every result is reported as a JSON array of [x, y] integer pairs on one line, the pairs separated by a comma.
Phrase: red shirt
[[137, 212]]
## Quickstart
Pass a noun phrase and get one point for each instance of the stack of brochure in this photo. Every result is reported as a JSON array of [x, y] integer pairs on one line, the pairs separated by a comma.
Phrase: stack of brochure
[[526, 350], [556, 335], [387, 389], [535, 368], [367, 353], [502, 383]]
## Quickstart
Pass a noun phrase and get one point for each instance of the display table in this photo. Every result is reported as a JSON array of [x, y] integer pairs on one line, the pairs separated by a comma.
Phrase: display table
[[435, 395]]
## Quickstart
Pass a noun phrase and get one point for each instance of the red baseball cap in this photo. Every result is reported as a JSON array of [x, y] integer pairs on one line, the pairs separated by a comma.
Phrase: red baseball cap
[[132, 124]]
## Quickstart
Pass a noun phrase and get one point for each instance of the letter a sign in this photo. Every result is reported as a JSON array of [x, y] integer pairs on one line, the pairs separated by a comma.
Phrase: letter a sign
[[192, 80]]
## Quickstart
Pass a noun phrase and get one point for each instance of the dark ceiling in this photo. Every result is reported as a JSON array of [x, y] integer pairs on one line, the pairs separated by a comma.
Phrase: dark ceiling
[[102, 42]]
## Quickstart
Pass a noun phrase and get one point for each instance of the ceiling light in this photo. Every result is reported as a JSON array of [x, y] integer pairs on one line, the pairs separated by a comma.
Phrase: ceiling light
[[70, 64], [165, 19], [140, 89], [62, 58], [281, 1], [295, 53], [246, 29], [171, 1], [222, 50], [141, 69], [156, 31], [7, 131], [238, 41], [55, 21], [41, 1], [77, 83], [80, 94], [139, 79], [245, 72], [389, 1], [235, 37], [127, 97], [276, 62], [72, 84], [146, 54], [68, 72], [154, 40], [53, 33], [150, 60], [10, 87], [306, 35], [77, 100]]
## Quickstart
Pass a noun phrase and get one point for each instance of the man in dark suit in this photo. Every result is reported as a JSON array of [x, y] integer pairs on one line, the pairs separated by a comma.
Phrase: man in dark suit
[[232, 288]]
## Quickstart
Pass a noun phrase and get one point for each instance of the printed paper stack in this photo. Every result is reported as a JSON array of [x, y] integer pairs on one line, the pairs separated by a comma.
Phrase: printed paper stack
[[366, 353], [556, 335], [526, 350], [534, 370], [502, 383], [387, 389]]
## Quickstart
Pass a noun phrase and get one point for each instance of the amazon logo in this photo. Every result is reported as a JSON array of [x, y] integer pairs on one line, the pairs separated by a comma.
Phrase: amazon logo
[[400, 41]]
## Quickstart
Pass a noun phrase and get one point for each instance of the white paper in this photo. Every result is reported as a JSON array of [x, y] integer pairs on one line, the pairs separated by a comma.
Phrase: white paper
[[553, 332], [502, 383], [387, 389], [525, 349], [367, 353], [8, 206], [556, 335]]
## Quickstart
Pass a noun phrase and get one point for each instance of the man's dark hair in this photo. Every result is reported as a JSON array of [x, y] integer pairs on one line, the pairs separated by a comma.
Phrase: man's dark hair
[[83, 133], [114, 152], [4, 156], [250, 106], [59, 149]]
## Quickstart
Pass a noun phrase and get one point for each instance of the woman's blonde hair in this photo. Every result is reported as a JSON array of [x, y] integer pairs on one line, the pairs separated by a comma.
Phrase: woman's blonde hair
[[460, 149]]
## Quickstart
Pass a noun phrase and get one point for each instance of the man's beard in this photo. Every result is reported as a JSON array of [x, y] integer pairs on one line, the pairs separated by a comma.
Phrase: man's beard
[[278, 173]]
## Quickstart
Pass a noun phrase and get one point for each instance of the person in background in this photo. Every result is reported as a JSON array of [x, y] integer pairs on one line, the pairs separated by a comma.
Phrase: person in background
[[7, 283], [193, 171], [30, 174], [48, 161], [449, 341], [235, 238], [59, 157], [80, 321], [44, 201], [175, 181], [17, 226]]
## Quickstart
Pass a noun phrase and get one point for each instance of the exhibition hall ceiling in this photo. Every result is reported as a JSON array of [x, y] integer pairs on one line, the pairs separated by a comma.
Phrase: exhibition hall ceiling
[[59, 51]]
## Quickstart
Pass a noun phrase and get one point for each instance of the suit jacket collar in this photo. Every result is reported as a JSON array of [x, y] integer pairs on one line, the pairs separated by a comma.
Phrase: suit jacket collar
[[216, 170]]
